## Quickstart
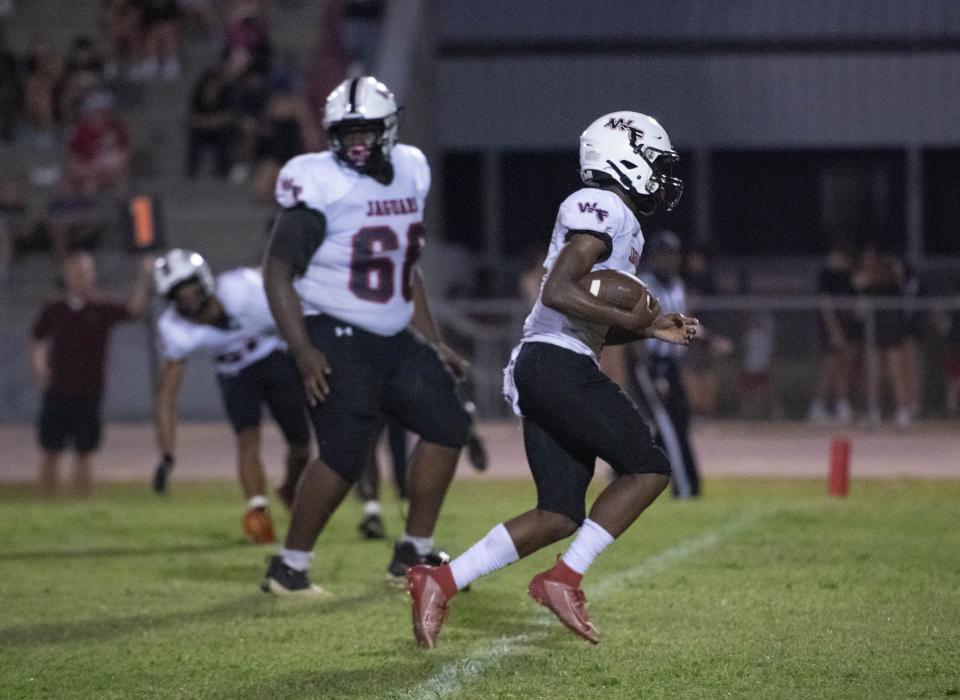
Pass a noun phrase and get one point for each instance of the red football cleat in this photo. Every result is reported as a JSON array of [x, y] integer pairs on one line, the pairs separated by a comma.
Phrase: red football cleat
[[567, 602], [258, 527], [429, 603]]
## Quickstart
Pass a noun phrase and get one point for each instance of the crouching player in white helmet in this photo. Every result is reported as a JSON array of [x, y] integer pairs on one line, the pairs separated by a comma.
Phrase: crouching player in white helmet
[[572, 412], [343, 283], [228, 319]]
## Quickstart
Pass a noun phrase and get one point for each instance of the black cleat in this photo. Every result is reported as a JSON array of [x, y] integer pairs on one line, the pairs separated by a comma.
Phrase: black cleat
[[477, 452], [161, 475], [371, 527], [405, 555], [280, 579]]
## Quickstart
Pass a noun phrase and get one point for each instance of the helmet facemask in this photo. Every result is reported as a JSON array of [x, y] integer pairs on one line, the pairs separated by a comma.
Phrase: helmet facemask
[[360, 143], [661, 191], [190, 298]]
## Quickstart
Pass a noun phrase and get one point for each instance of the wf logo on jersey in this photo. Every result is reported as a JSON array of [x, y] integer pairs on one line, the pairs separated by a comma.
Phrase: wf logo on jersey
[[591, 207], [390, 207]]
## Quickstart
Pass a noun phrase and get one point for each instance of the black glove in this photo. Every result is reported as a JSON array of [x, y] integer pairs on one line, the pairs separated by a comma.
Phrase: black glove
[[162, 473]]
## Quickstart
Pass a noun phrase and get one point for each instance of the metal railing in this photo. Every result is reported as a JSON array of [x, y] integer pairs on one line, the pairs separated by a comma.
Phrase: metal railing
[[487, 330]]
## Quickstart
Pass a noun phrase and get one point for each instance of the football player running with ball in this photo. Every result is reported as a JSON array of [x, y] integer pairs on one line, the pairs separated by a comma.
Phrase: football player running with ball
[[573, 413], [228, 319], [344, 287]]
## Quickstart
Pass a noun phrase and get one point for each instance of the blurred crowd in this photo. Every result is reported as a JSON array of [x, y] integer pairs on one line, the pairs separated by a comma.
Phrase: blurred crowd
[[65, 116], [895, 341]]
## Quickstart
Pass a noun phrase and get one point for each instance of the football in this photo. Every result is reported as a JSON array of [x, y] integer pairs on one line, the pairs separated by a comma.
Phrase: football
[[617, 288]]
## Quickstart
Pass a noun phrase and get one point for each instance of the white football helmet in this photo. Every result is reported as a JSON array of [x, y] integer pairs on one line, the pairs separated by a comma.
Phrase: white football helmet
[[633, 150], [179, 266], [361, 105]]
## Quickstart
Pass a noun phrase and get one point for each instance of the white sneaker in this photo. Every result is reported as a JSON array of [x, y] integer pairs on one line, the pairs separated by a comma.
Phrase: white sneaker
[[904, 417], [239, 173], [844, 413], [171, 70], [145, 70], [817, 413]]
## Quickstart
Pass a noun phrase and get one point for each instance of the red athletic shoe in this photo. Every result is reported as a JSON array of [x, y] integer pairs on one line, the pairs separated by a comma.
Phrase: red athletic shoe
[[258, 527], [565, 601], [429, 602]]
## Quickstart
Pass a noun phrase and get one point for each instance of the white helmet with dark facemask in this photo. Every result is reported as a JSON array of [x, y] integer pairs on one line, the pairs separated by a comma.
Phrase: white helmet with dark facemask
[[634, 151], [361, 123], [179, 266]]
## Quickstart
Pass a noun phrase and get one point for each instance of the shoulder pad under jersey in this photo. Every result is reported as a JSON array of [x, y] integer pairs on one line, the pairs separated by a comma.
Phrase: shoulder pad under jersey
[[313, 179]]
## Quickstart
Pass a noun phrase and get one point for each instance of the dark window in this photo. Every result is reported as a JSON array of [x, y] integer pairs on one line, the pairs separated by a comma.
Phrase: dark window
[[801, 202], [463, 210], [941, 189]]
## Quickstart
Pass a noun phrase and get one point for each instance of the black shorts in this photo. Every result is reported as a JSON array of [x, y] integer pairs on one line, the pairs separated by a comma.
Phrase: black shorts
[[373, 376], [69, 420], [274, 381], [573, 413]]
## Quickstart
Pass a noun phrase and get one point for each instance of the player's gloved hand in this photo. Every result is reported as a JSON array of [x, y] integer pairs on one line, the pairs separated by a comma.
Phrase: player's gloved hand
[[162, 473], [675, 328], [455, 364], [314, 370]]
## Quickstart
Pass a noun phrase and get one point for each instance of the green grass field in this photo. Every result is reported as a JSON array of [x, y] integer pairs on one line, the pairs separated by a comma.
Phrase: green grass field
[[763, 589]]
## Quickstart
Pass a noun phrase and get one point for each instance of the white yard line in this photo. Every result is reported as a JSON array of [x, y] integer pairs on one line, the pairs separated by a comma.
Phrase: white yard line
[[449, 680]]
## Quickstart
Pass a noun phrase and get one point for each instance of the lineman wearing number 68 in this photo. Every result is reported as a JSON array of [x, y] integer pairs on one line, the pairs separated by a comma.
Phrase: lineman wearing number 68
[[344, 288]]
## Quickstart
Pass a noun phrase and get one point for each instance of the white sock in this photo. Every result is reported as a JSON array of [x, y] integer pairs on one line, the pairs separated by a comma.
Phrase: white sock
[[371, 507], [257, 502], [297, 559], [495, 551], [424, 545], [591, 539]]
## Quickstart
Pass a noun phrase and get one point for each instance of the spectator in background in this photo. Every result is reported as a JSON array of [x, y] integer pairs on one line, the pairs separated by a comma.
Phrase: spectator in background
[[202, 13], [840, 335], [663, 366], [11, 90], [699, 368], [914, 323], [881, 275], [361, 33], [159, 22], [99, 148], [123, 35], [82, 76], [14, 225], [249, 101], [43, 75], [757, 392], [68, 356], [211, 122], [247, 46], [286, 131], [948, 323], [328, 62]]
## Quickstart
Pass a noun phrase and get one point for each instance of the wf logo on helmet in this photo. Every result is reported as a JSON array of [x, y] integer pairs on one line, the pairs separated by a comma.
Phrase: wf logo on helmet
[[591, 207], [621, 124]]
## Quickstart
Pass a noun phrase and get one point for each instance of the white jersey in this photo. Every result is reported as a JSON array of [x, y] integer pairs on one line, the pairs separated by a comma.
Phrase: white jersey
[[362, 272], [673, 299], [250, 337], [587, 209]]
